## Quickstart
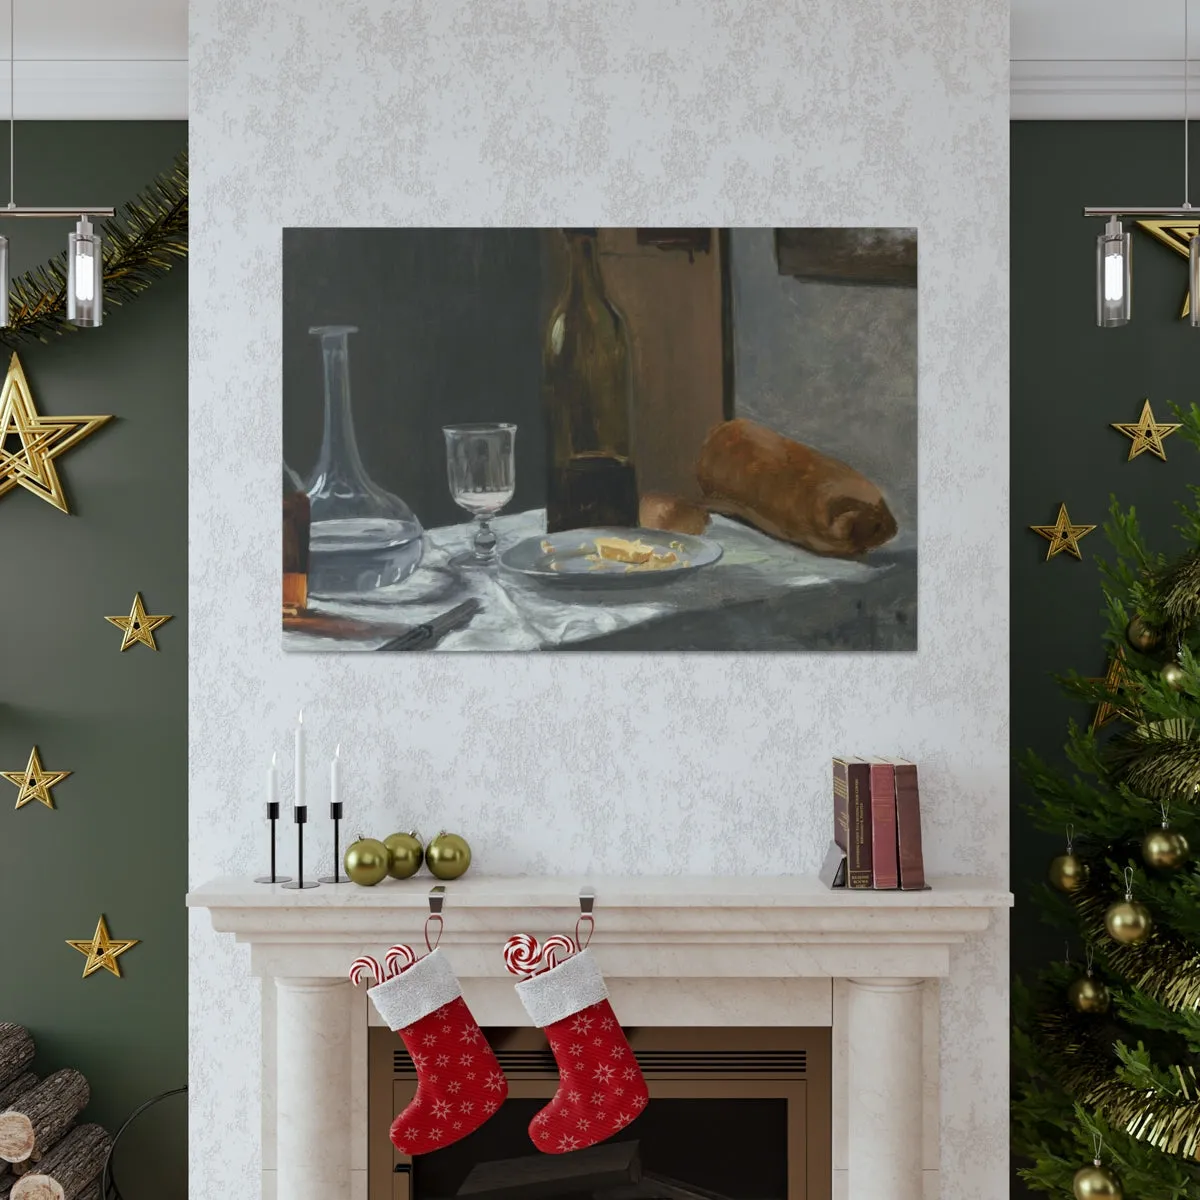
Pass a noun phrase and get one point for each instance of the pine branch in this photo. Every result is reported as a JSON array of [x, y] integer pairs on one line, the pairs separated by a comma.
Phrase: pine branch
[[141, 244]]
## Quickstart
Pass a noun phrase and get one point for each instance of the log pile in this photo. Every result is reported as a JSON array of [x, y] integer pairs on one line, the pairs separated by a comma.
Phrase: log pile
[[44, 1154]]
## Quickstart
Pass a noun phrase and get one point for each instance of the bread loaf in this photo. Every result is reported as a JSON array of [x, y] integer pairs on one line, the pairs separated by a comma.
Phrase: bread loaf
[[791, 491], [658, 510]]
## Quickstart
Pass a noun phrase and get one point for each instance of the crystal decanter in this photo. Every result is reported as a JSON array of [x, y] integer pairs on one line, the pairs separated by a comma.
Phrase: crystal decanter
[[361, 537]]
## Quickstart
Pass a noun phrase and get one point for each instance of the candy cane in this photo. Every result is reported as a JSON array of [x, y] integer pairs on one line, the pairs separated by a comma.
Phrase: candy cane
[[399, 958], [521, 954], [550, 950], [365, 963]]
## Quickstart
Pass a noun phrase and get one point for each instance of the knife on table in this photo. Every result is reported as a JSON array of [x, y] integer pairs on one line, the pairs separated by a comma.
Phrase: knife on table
[[422, 637]]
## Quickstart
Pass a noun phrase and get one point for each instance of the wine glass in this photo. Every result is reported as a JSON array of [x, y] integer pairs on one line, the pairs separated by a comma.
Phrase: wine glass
[[482, 474]]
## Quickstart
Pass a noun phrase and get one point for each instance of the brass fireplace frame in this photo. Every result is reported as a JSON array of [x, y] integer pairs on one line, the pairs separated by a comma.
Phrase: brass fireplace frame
[[788, 1063]]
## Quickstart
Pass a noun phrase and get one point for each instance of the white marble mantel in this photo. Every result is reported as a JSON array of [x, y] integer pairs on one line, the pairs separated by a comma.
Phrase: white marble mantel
[[675, 950]]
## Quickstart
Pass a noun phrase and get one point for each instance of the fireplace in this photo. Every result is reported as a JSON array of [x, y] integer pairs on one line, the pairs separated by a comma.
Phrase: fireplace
[[735, 1114]]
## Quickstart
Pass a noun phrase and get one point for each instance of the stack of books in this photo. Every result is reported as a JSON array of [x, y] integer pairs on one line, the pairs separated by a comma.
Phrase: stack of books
[[876, 826]]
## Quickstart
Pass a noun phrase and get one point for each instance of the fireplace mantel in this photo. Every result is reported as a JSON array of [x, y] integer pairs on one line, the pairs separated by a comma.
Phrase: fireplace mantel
[[676, 951]]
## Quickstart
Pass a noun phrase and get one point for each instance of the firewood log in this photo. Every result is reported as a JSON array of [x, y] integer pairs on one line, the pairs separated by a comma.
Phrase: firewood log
[[548, 1175], [68, 1169], [42, 1115], [18, 1087], [16, 1052]]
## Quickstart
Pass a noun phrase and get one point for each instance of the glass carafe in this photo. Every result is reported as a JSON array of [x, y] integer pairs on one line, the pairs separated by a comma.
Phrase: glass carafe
[[361, 537]]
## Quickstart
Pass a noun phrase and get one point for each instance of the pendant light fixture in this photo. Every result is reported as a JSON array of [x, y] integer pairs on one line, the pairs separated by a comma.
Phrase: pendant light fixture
[[1114, 247], [85, 258]]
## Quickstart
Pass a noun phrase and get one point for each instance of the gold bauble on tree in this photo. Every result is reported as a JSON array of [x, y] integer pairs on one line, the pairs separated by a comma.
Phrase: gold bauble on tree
[[1140, 636], [448, 856], [1128, 922], [1088, 995], [1068, 872], [366, 861], [405, 854], [1173, 675], [1095, 1182], [1165, 848]]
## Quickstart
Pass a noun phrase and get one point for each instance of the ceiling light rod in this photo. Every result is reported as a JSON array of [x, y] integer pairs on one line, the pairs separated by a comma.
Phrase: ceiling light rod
[[25, 210]]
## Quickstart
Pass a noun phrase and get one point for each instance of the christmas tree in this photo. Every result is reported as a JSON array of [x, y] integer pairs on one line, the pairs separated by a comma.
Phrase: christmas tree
[[1107, 1043]]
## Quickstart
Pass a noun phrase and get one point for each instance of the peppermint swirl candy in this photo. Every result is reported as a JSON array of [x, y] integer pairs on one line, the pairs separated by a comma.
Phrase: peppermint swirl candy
[[521, 954], [366, 963]]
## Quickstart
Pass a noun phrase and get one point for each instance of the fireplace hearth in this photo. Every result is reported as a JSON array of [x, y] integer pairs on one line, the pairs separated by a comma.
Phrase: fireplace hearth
[[734, 1114]]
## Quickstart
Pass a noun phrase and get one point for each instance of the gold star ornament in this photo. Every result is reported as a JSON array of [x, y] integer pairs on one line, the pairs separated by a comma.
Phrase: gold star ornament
[[30, 442], [1115, 679], [1062, 535], [139, 626], [1147, 433], [1177, 234], [102, 950], [34, 783]]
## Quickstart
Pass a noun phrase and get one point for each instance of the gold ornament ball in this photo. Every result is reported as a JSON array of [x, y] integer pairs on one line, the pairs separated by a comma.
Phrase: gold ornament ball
[[1096, 1183], [1166, 849], [405, 854], [1128, 922], [1068, 872], [448, 856], [366, 862], [1140, 636], [1173, 675], [1088, 995]]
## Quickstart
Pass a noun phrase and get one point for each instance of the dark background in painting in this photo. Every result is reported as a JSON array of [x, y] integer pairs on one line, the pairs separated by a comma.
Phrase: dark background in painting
[[1070, 379], [451, 323], [117, 842]]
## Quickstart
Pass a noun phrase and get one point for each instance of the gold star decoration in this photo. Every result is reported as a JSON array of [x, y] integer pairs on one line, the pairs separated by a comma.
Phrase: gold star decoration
[[139, 626], [1147, 433], [1177, 235], [1062, 535], [30, 441], [1115, 679], [34, 782], [102, 950]]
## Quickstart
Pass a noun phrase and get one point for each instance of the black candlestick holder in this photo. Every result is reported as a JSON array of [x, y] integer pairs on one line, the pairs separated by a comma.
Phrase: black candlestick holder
[[300, 812], [335, 815], [273, 816]]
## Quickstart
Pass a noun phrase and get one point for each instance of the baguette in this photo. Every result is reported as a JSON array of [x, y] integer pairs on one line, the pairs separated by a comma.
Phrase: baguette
[[791, 491]]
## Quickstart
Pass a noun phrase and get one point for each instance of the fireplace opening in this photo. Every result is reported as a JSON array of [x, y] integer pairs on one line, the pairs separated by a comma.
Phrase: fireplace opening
[[734, 1114]]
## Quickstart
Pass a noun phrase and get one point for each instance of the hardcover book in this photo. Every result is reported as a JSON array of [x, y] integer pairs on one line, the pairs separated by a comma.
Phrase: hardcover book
[[852, 817], [908, 827], [884, 865]]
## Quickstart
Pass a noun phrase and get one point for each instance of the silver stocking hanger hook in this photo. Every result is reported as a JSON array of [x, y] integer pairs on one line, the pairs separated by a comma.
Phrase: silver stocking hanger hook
[[587, 919], [437, 900]]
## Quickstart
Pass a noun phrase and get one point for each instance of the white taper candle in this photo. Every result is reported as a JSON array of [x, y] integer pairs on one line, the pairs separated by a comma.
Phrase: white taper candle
[[300, 759]]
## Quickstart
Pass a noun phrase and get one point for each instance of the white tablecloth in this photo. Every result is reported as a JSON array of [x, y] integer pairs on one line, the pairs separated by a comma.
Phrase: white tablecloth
[[521, 615]]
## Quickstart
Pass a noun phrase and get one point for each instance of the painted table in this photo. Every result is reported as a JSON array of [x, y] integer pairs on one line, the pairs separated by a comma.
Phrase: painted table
[[763, 594]]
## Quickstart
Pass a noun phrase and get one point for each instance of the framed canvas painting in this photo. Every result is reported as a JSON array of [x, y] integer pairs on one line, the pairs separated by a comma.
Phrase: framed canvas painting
[[599, 439]]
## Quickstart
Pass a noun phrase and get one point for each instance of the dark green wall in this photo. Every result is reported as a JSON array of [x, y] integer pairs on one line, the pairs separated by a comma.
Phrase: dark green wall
[[1070, 379], [117, 843]]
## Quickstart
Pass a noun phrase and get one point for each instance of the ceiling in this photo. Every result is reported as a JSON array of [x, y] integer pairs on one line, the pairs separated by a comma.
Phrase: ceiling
[[127, 59]]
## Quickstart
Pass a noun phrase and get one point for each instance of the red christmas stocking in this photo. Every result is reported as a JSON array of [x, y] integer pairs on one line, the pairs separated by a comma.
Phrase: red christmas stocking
[[459, 1081], [602, 1089]]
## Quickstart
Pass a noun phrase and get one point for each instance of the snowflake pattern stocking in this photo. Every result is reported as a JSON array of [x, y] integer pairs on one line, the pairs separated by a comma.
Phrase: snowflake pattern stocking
[[459, 1082], [602, 1088]]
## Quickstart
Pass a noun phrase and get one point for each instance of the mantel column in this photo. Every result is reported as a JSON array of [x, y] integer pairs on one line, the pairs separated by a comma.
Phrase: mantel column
[[884, 1089], [312, 1071]]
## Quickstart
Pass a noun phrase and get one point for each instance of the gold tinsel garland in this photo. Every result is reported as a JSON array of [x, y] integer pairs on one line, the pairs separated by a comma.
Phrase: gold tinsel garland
[[141, 244], [1169, 1122]]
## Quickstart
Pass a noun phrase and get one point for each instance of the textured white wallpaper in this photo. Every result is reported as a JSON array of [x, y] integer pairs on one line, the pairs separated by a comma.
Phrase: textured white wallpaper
[[618, 112]]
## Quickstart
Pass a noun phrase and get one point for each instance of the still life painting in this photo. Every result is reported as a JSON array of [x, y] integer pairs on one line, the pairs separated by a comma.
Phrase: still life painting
[[600, 439]]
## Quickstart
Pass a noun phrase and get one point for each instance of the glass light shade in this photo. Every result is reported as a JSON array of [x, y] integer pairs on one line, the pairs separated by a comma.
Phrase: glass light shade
[[1114, 275], [85, 277], [1194, 281], [3, 280]]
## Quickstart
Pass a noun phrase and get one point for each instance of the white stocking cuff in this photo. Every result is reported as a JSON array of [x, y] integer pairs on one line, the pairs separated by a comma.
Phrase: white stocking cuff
[[428, 984], [569, 988]]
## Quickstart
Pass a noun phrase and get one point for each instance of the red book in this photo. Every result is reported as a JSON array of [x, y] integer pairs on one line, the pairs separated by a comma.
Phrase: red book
[[908, 827], [885, 863], [852, 817]]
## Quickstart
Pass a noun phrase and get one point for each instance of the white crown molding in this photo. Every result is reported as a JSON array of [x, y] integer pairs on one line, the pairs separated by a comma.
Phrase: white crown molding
[[97, 90], [1100, 90]]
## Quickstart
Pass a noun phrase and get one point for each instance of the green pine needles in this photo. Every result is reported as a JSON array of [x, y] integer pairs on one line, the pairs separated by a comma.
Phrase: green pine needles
[[1130, 1074], [141, 243]]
